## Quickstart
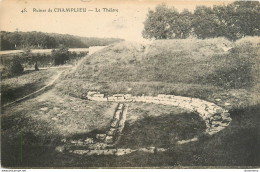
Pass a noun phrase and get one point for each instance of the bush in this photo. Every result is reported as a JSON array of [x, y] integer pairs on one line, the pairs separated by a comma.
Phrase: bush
[[14, 68], [61, 56]]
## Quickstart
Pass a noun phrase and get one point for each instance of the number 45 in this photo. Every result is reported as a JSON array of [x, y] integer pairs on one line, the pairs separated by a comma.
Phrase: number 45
[[24, 10]]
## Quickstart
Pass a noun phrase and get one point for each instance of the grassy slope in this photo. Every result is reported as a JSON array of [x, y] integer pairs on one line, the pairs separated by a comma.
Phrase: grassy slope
[[196, 68], [17, 87]]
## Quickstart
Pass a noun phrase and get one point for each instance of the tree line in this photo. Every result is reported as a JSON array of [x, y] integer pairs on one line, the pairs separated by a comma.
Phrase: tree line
[[233, 21], [25, 40], [14, 65]]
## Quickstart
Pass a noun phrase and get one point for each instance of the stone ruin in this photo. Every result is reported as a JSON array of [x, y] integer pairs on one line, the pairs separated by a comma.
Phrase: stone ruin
[[215, 117]]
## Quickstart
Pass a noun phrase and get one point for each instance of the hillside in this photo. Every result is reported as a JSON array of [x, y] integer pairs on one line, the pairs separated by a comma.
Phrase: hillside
[[208, 69]]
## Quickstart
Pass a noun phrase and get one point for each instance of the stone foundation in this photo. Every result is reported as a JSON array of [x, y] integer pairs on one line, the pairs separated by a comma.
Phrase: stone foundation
[[215, 117]]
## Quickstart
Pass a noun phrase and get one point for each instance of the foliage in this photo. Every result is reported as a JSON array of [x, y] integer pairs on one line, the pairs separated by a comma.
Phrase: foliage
[[204, 23], [37, 60], [40, 40], [234, 21], [60, 56], [166, 23], [14, 68], [158, 24]]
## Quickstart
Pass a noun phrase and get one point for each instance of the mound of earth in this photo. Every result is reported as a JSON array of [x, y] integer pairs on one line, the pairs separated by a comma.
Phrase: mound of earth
[[207, 69]]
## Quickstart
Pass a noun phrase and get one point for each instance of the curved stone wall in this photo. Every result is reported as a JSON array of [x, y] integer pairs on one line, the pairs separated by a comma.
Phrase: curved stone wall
[[215, 117]]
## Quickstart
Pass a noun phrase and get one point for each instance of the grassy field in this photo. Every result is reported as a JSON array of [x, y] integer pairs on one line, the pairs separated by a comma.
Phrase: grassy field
[[150, 125], [195, 68]]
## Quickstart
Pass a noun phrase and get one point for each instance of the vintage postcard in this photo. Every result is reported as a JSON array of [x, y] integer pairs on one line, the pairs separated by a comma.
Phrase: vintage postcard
[[130, 84]]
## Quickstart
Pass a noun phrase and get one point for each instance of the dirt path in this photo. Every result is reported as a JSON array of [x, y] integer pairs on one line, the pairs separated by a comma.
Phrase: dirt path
[[49, 84]]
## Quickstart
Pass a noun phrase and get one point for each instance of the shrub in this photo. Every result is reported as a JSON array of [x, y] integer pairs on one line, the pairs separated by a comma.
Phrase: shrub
[[14, 67], [61, 56]]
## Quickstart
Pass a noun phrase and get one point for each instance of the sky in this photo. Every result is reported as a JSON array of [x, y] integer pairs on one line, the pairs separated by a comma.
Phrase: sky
[[127, 23]]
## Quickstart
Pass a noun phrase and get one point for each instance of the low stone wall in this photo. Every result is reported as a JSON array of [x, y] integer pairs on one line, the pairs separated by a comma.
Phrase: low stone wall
[[106, 140], [215, 117], [117, 125], [117, 152]]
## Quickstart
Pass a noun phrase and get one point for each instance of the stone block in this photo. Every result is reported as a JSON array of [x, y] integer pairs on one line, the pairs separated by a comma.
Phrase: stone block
[[120, 98], [114, 123], [226, 120], [74, 141], [101, 136], [98, 95], [127, 96], [225, 115], [215, 123], [219, 110], [123, 151], [161, 95], [109, 139], [118, 95], [111, 132], [120, 106], [88, 140], [112, 99], [91, 93], [98, 99], [217, 117], [44, 109], [118, 114], [80, 142], [121, 123]]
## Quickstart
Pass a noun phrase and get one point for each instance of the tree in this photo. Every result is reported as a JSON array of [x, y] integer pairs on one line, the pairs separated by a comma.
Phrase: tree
[[246, 18], [184, 24], [23, 40], [205, 22], [5, 43], [221, 19], [234, 21], [31, 58], [160, 23], [15, 67], [15, 40]]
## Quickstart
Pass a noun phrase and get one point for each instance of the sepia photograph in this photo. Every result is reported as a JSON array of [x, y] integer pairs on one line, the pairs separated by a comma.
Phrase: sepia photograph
[[133, 84]]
